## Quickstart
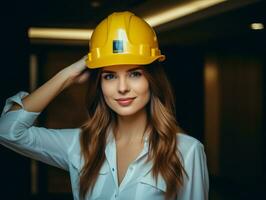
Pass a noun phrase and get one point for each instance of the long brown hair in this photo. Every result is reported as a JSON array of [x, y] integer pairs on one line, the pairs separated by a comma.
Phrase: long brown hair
[[162, 140]]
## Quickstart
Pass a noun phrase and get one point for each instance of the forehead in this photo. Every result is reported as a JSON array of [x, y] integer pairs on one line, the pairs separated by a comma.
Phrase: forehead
[[120, 68]]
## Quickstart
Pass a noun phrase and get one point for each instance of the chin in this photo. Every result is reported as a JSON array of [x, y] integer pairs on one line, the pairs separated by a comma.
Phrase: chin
[[125, 112]]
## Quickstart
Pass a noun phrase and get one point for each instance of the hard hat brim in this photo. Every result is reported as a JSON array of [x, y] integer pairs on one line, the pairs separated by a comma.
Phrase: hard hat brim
[[123, 59]]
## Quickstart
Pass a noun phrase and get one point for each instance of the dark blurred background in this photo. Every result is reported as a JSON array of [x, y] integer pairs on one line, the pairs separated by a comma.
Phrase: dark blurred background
[[215, 61]]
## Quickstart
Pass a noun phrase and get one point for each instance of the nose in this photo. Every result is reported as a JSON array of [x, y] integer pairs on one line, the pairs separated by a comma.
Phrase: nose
[[123, 86]]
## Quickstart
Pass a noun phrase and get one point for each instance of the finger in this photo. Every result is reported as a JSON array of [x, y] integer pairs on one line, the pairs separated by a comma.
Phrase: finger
[[80, 64]]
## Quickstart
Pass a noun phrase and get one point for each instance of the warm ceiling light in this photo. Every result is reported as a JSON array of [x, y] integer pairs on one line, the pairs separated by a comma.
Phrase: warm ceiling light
[[154, 20], [180, 11], [256, 26], [60, 33], [95, 4]]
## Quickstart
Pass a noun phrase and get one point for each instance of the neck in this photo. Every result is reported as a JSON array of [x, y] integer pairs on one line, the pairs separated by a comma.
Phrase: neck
[[131, 127]]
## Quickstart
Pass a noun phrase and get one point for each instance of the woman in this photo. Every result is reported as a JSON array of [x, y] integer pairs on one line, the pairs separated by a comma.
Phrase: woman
[[130, 147]]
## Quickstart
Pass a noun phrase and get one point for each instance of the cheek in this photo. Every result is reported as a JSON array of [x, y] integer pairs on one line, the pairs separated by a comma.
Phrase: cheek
[[106, 89], [143, 88]]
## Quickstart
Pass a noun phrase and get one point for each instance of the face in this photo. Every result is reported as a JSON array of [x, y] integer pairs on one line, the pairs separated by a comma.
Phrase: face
[[125, 89]]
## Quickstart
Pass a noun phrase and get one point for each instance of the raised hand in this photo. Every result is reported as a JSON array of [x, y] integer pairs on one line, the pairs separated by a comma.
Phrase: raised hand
[[77, 72]]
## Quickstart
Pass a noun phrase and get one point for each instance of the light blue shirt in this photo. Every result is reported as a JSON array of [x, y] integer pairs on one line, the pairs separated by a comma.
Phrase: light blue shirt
[[61, 148]]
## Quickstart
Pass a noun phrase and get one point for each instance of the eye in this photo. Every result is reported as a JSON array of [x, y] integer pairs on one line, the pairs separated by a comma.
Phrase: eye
[[135, 74], [108, 76]]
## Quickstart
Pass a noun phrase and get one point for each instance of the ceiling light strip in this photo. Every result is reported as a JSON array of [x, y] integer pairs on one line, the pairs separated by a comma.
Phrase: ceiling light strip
[[154, 20], [180, 11], [60, 33]]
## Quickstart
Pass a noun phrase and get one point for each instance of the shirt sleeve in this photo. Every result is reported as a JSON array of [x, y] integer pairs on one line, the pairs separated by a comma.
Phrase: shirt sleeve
[[17, 133], [196, 184]]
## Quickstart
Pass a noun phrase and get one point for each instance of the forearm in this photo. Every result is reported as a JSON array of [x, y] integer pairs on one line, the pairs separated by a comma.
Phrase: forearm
[[42, 96]]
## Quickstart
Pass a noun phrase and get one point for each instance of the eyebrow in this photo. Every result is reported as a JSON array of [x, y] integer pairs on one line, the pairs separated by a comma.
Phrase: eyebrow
[[109, 71]]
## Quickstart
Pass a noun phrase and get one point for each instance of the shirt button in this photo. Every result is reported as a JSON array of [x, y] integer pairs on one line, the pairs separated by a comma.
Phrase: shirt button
[[115, 195], [113, 169]]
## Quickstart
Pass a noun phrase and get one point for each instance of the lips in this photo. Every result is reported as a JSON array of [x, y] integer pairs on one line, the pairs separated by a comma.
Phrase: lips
[[125, 101]]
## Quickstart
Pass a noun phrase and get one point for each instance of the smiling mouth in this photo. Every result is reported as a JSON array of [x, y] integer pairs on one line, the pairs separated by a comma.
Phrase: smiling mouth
[[125, 101]]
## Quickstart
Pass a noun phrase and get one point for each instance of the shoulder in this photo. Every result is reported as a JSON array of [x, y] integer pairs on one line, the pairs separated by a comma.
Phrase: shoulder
[[188, 145]]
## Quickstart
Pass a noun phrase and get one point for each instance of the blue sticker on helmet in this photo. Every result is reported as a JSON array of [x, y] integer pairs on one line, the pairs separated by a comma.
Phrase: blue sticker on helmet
[[118, 46]]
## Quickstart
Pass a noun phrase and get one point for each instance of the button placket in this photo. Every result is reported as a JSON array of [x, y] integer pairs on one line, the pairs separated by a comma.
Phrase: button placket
[[114, 175], [116, 194]]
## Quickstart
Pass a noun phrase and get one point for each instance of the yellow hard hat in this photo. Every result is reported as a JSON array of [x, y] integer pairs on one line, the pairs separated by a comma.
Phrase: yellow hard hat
[[123, 38]]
